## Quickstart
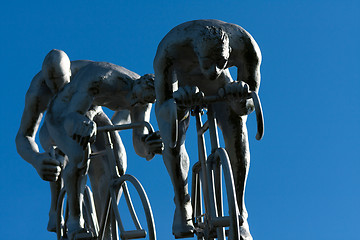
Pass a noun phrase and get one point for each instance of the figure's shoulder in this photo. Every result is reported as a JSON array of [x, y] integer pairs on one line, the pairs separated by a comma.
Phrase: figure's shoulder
[[37, 85], [104, 72], [78, 64], [194, 29], [113, 70], [198, 25], [38, 95]]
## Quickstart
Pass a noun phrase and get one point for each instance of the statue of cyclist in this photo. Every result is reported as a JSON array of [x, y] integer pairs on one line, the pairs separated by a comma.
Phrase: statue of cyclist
[[193, 60]]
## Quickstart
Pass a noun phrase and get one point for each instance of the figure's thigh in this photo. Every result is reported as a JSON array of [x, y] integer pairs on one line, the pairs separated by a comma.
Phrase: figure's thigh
[[234, 131], [65, 143], [174, 155], [101, 119], [183, 127], [45, 139]]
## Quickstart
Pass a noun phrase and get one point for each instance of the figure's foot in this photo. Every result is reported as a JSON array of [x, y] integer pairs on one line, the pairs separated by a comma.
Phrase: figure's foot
[[245, 232], [183, 226], [51, 227], [184, 231], [76, 230], [81, 234]]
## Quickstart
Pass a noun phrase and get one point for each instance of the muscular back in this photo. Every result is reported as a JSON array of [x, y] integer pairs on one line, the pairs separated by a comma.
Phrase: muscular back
[[177, 60], [100, 84]]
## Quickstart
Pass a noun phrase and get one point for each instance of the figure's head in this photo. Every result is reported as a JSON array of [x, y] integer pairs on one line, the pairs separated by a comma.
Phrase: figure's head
[[213, 51], [143, 90], [56, 70]]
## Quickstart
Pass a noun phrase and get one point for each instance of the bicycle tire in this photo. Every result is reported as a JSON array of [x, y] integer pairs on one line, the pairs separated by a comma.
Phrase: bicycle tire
[[60, 224], [196, 201], [220, 158], [139, 232], [89, 214]]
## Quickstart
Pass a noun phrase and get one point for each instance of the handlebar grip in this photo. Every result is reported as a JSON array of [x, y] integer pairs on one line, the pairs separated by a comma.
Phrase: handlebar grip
[[126, 126], [258, 109], [259, 115]]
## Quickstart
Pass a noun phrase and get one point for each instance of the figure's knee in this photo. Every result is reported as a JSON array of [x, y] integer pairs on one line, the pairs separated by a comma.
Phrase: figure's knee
[[72, 167], [176, 154], [121, 159]]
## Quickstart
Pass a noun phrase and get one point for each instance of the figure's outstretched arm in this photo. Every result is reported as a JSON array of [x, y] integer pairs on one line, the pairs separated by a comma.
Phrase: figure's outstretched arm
[[247, 60], [36, 101], [165, 108], [78, 123], [145, 144]]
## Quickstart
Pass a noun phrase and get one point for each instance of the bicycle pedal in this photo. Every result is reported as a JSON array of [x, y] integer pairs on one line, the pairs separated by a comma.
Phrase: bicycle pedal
[[184, 235], [84, 236], [134, 234]]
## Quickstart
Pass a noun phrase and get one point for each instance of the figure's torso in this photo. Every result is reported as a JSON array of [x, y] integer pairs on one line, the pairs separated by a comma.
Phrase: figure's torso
[[186, 71], [98, 83]]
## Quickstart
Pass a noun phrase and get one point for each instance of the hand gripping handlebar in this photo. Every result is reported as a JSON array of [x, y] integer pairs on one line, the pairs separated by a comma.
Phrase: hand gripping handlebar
[[257, 104], [110, 128]]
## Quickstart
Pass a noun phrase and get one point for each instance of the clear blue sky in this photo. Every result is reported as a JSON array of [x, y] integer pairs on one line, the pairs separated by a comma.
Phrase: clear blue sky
[[303, 181]]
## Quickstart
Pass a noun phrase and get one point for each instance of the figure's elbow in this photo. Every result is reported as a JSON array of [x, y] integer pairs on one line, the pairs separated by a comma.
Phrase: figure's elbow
[[22, 141], [18, 139], [140, 148]]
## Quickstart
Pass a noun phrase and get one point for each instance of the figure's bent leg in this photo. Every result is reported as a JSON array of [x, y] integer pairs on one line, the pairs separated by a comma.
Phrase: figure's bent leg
[[177, 164], [74, 178], [236, 143], [99, 171], [55, 187], [74, 182]]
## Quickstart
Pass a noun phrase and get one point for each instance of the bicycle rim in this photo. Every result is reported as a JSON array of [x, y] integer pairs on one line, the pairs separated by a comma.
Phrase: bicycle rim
[[199, 218], [89, 212], [139, 232], [60, 227], [221, 161]]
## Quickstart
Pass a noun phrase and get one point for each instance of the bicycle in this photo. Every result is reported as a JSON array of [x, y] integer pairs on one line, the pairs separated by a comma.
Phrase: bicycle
[[210, 221], [118, 188]]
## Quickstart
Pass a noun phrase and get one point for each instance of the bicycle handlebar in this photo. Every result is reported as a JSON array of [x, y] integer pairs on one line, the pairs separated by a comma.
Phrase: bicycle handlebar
[[109, 128], [258, 109]]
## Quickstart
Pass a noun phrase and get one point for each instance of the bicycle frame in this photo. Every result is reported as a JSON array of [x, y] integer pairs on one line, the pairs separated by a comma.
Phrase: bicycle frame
[[212, 185], [207, 173], [117, 187], [111, 195]]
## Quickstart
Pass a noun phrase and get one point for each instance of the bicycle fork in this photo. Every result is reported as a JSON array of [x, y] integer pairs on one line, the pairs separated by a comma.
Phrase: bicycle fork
[[208, 171], [213, 207]]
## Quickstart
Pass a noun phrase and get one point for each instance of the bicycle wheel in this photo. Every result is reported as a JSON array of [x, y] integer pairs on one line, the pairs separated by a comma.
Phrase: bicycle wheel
[[89, 214], [90, 218], [60, 221], [219, 168], [119, 189], [198, 217]]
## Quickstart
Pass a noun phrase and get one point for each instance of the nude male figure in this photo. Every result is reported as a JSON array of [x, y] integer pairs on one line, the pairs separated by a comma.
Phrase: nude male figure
[[55, 74], [70, 122], [57, 71], [192, 60]]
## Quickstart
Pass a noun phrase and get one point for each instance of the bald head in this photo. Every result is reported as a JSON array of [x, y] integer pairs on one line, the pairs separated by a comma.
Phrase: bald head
[[56, 70]]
